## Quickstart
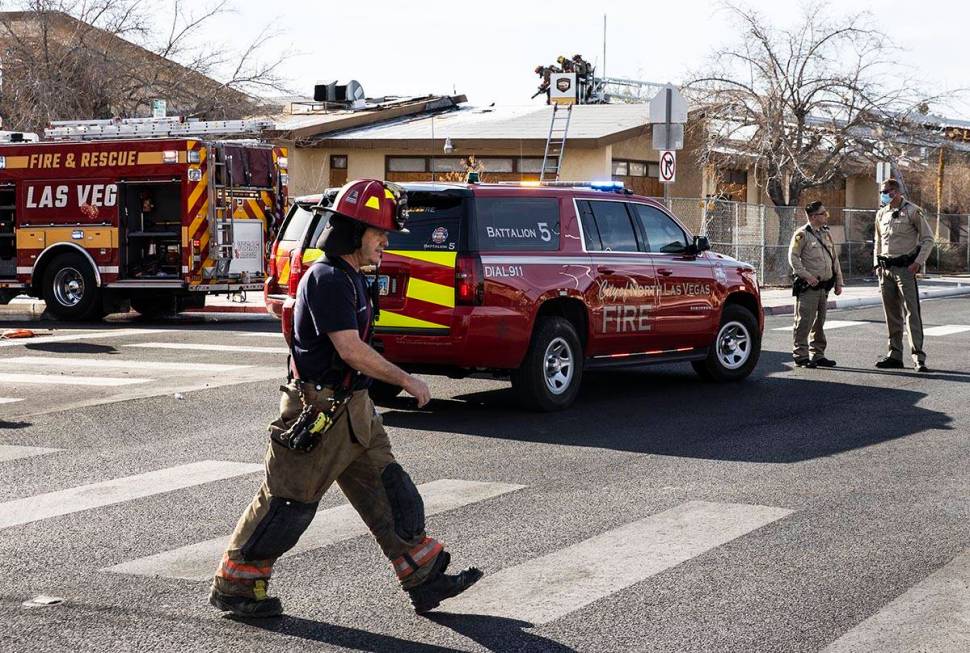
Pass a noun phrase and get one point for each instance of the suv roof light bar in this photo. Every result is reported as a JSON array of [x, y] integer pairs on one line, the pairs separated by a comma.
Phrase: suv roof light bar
[[606, 186]]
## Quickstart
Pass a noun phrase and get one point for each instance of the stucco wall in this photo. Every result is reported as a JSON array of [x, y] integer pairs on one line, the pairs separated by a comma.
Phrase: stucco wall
[[582, 164], [861, 192], [309, 170]]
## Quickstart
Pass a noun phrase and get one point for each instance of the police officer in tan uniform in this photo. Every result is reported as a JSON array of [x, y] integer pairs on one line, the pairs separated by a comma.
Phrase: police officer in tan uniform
[[903, 243], [814, 261]]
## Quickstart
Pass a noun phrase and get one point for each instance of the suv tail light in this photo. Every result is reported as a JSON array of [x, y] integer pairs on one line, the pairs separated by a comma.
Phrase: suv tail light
[[296, 271], [271, 271], [469, 281]]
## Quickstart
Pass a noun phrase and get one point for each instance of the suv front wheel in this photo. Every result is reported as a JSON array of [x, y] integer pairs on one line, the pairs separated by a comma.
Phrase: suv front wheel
[[736, 348], [550, 375]]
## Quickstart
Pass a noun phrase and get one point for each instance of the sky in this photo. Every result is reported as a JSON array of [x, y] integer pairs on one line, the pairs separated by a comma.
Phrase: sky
[[487, 50]]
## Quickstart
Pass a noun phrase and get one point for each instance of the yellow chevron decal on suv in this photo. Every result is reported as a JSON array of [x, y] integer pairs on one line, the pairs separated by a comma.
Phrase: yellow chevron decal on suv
[[446, 259], [433, 293], [311, 255], [391, 320]]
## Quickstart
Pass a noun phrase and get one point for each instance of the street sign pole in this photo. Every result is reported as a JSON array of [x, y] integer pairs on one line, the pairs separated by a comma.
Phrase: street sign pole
[[668, 113], [667, 127]]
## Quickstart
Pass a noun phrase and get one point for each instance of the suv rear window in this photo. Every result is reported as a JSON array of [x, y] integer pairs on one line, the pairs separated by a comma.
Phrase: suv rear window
[[297, 223], [517, 224], [434, 222], [615, 230]]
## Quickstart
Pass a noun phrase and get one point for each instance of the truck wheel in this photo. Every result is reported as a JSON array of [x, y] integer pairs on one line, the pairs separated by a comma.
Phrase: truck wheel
[[70, 288], [736, 348], [550, 375], [381, 392]]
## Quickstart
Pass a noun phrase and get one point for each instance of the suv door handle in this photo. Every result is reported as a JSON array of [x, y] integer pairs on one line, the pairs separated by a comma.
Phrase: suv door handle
[[604, 269], [664, 272]]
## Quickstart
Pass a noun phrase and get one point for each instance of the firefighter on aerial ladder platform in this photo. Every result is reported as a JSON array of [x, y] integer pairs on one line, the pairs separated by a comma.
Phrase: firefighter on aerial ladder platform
[[328, 429]]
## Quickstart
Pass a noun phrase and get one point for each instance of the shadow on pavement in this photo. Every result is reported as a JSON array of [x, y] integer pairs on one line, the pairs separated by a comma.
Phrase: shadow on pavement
[[802, 415], [4, 425], [498, 633], [940, 375], [351, 638], [71, 348]]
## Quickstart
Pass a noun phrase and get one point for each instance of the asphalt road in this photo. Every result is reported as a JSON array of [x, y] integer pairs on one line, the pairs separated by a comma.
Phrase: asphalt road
[[799, 510]]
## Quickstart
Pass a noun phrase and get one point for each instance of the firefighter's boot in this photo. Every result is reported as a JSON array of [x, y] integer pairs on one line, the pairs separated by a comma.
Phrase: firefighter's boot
[[256, 605], [440, 586]]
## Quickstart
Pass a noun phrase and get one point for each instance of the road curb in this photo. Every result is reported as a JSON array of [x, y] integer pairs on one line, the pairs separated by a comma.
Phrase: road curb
[[35, 310], [861, 302]]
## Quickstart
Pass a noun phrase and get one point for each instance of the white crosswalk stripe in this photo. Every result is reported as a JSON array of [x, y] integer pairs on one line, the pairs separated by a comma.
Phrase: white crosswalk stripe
[[106, 493], [111, 362], [10, 400], [87, 335], [933, 615], [543, 589], [829, 325], [64, 379], [14, 452], [194, 346], [197, 561], [945, 330]]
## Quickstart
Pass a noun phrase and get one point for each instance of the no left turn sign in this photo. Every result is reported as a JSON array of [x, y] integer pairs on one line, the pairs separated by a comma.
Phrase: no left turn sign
[[668, 167]]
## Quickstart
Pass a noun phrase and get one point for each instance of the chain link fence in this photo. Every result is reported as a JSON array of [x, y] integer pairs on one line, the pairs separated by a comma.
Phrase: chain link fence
[[760, 234]]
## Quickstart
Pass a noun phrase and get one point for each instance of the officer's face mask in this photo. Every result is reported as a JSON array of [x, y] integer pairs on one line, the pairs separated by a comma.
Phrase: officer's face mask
[[884, 198]]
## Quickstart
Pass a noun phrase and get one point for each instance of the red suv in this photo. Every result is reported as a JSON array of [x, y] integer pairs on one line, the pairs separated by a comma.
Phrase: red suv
[[541, 282]]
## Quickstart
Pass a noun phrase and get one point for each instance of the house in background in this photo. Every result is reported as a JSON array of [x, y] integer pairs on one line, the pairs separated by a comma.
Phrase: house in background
[[431, 138]]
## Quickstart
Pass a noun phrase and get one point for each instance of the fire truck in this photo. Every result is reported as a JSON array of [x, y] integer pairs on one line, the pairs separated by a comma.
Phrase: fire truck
[[151, 214]]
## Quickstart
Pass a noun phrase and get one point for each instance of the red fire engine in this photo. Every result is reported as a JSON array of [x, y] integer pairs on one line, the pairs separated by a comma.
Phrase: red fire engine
[[151, 213]]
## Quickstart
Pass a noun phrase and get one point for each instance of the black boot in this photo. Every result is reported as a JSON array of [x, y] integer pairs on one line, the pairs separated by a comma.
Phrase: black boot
[[247, 606], [440, 586]]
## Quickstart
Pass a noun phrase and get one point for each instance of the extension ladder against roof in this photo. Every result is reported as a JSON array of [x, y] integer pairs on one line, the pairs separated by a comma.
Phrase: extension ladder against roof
[[556, 141]]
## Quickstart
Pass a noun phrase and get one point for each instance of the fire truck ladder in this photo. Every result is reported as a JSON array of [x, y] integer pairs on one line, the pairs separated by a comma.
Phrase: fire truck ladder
[[556, 142], [221, 198], [171, 127]]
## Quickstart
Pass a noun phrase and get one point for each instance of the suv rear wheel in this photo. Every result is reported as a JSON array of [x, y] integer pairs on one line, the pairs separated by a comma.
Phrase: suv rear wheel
[[550, 375], [736, 348]]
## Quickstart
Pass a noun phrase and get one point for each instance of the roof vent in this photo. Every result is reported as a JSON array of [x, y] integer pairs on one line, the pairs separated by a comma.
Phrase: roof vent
[[349, 93]]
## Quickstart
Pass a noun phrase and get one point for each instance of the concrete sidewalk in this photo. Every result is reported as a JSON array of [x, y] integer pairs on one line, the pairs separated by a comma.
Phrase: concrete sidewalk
[[865, 292], [249, 303]]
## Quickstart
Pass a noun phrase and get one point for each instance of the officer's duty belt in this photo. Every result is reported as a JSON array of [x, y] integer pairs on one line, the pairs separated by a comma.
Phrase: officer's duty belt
[[896, 261]]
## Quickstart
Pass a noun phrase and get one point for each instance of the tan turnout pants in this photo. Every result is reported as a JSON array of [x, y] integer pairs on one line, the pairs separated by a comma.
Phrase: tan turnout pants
[[900, 302], [810, 309], [353, 453]]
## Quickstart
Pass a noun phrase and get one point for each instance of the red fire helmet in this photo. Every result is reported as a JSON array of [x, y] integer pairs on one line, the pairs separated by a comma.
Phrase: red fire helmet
[[377, 204]]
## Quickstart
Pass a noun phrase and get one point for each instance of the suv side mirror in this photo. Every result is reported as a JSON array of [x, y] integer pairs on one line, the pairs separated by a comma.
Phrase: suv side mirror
[[701, 244]]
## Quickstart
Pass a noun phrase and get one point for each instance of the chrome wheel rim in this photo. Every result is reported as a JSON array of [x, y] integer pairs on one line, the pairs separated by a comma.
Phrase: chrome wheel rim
[[68, 287], [733, 345], [559, 366]]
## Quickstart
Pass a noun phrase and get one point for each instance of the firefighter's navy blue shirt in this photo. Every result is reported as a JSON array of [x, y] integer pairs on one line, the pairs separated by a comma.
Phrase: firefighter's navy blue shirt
[[326, 302]]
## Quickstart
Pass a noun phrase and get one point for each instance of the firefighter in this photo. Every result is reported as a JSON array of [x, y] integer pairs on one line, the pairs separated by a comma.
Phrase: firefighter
[[545, 72], [328, 429]]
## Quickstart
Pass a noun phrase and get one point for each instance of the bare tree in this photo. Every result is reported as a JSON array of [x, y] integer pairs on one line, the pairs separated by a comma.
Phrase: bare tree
[[67, 59], [806, 105]]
